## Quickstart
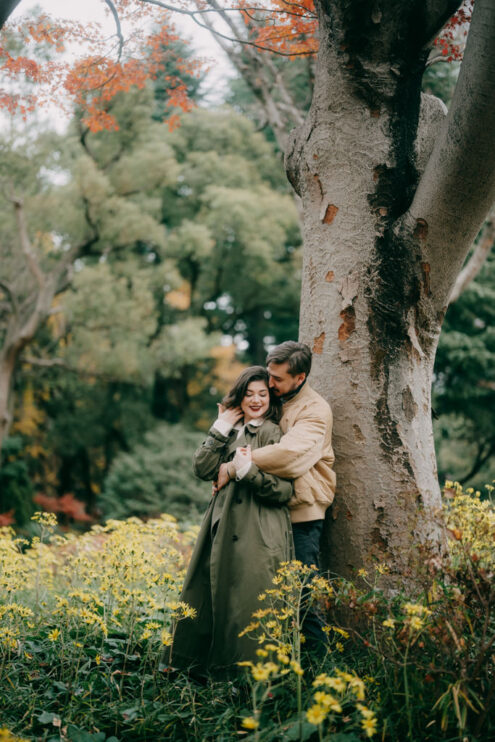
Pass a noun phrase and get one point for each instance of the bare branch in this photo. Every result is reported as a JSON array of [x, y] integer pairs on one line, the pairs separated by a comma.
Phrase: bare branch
[[44, 362], [12, 297], [116, 18], [477, 259], [193, 13], [27, 249]]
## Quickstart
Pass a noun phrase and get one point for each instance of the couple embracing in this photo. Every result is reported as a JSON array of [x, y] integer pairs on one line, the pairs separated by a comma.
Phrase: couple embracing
[[269, 454]]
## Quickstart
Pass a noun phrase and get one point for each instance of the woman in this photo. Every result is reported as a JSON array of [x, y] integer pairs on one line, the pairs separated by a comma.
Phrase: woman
[[245, 534]]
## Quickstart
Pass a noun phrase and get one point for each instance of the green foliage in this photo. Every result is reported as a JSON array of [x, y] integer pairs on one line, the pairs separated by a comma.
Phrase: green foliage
[[464, 386], [440, 79], [16, 489], [175, 54], [156, 476], [86, 622]]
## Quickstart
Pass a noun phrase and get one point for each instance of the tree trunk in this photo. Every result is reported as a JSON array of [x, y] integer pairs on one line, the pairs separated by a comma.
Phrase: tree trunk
[[370, 309], [7, 365], [6, 8]]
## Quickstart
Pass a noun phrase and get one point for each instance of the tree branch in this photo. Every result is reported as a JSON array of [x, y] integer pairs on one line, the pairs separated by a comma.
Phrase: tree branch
[[477, 259], [6, 8], [12, 297], [437, 13], [192, 14], [458, 185], [29, 253], [45, 362], [116, 18]]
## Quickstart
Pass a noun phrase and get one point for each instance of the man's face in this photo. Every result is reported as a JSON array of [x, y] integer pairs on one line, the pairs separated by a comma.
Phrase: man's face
[[281, 381]]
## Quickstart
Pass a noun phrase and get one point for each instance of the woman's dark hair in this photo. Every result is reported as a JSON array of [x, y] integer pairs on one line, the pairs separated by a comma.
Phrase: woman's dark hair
[[238, 391]]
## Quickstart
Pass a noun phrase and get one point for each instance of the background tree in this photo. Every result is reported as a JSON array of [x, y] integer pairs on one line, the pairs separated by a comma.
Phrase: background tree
[[134, 337], [464, 385]]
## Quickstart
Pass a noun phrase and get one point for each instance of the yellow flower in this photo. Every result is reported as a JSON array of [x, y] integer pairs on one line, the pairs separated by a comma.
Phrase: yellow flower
[[416, 623], [328, 702], [315, 715], [382, 569], [389, 623], [358, 688], [321, 679], [415, 609], [365, 711], [53, 635], [262, 653], [250, 723], [369, 726], [340, 631], [337, 684], [296, 667], [260, 672], [98, 659], [362, 573]]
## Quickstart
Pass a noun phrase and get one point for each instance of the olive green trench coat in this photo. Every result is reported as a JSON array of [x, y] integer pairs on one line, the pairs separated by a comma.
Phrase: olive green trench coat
[[245, 534]]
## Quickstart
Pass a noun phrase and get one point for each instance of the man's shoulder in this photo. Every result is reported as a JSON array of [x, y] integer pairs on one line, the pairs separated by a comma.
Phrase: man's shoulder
[[311, 401]]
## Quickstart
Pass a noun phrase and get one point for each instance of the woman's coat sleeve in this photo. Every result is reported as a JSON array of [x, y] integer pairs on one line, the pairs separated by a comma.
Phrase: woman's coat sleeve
[[209, 456], [267, 487]]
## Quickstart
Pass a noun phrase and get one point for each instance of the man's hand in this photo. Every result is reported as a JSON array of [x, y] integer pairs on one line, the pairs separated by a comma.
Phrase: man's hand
[[222, 479], [242, 457], [231, 415]]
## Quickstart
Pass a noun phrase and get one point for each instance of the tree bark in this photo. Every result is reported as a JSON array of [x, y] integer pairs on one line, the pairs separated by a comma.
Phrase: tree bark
[[7, 7], [477, 259], [373, 295], [7, 365]]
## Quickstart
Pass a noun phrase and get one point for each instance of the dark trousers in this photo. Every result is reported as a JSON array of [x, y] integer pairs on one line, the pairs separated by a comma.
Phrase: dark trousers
[[307, 548]]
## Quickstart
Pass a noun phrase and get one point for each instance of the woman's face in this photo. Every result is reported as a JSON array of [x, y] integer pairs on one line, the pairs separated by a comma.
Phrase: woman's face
[[256, 401]]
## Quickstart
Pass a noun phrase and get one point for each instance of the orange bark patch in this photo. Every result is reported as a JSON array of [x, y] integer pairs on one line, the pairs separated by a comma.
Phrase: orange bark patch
[[330, 276], [425, 267], [421, 229], [318, 343], [348, 325], [330, 214], [375, 113]]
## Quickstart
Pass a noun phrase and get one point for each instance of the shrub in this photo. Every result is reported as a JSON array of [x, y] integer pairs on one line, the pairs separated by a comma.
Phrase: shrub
[[16, 490], [156, 477], [431, 652]]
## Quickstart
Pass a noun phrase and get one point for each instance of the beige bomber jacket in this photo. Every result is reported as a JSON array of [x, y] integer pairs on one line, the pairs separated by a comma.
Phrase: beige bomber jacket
[[304, 454]]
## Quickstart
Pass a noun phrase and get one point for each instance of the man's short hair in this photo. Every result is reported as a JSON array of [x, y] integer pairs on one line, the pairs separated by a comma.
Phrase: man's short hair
[[297, 355]]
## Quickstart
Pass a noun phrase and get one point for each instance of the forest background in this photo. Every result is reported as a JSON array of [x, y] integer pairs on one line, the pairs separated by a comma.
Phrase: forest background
[[190, 270]]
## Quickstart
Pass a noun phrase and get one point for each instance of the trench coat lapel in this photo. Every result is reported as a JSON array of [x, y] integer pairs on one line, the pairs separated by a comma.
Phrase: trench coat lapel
[[245, 438]]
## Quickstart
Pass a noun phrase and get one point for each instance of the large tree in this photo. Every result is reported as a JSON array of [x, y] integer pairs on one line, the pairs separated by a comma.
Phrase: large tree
[[393, 192], [393, 195]]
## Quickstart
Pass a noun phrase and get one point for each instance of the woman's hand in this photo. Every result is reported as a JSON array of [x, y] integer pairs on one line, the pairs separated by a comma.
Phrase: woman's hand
[[222, 479], [231, 415], [242, 457]]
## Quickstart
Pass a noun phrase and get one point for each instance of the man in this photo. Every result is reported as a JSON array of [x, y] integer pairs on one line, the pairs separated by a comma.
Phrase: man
[[303, 454]]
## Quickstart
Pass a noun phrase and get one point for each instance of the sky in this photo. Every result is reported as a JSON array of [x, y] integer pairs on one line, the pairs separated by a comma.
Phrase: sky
[[201, 42]]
